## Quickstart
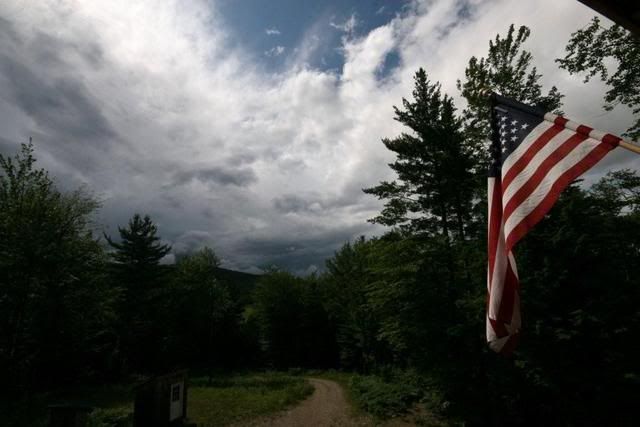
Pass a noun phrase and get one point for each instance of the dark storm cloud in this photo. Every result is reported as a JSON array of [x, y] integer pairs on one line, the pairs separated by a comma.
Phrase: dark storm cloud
[[8, 32], [63, 108], [7, 146], [291, 203], [191, 241], [297, 253], [240, 177], [315, 203]]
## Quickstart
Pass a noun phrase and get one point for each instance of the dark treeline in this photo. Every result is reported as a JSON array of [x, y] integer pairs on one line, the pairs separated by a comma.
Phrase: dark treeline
[[76, 306]]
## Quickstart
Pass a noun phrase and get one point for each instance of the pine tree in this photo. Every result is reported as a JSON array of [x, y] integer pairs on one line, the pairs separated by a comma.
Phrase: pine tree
[[141, 282], [139, 246], [433, 192]]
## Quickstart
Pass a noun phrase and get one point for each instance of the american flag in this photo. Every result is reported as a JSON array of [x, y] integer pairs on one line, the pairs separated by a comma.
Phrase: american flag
[[534, 157]]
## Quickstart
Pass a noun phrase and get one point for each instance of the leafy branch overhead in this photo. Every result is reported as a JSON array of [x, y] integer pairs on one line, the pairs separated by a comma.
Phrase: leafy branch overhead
[[598, 51], [507, 70]]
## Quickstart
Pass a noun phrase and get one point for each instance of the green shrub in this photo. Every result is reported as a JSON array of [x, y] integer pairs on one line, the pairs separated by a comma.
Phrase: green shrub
[[383, 399], [112, 417]]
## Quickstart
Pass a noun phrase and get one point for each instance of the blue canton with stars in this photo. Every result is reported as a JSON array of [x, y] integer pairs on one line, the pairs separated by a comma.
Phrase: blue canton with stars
[[511, 127]]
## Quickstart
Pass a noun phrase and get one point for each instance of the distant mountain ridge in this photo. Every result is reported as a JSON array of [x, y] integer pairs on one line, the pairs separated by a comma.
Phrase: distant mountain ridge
[[240, 284]]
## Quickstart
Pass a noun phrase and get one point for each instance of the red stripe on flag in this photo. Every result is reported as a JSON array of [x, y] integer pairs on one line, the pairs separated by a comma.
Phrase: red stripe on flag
[[499, 328], [524, 160], [547, 164], [584, 130], [611, 139], [561, 121], [560, 184], [495, 221], [510, 287]]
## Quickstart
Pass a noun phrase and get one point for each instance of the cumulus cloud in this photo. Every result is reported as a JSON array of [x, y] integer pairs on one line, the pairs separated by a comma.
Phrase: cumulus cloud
[[153, 107]]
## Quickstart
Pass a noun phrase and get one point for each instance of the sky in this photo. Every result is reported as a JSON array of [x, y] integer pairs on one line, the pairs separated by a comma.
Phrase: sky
[[251, 126]]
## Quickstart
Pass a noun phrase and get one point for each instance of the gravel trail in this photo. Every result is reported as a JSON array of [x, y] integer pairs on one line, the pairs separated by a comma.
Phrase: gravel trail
[[326, 407]]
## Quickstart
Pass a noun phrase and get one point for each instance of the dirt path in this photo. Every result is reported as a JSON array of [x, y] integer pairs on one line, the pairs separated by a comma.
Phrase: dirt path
[[326, 407]]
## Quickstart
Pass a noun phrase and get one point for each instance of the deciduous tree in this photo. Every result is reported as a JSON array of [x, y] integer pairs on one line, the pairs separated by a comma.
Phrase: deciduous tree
[[54, 307], [597, 51]]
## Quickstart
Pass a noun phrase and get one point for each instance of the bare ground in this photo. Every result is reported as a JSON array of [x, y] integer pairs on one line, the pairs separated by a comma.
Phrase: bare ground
[[326, 407]]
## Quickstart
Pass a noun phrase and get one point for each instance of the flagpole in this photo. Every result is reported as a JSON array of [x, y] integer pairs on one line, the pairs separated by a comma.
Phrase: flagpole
[[629, 146], [634, 148]]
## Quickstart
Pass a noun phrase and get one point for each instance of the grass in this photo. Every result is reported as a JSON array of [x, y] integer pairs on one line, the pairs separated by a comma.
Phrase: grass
[[219, 402], [115, 402], [237, 398]]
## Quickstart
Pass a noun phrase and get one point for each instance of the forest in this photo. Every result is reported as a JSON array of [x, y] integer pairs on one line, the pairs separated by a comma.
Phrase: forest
[[405, 310]]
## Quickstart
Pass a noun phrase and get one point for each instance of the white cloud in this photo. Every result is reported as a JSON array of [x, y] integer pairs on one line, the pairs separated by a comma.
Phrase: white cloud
[[220, 153], [273, 31], [347, 26], [275, 51]]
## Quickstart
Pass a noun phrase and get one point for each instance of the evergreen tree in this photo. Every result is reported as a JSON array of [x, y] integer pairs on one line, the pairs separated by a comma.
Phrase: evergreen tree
[[139, 247], [141, 282], [592, 50], [433, 192]]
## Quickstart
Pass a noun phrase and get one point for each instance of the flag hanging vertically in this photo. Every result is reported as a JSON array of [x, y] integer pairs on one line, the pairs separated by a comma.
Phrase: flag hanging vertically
[[534, 157]]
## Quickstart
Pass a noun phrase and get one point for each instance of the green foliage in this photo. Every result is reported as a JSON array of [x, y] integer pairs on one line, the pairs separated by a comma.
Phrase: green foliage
[[345, 296], [141, 284], [381, 398], [139, 247], [618, 192], [293, 324], [278, 307], [592, 49], [573, 258], [55, 310], [507, 70], [119, 417], [202, 317], [432, 194]]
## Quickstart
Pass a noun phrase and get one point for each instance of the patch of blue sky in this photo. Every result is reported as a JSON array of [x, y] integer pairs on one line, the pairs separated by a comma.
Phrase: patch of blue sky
[[391, 61], [280, 33]]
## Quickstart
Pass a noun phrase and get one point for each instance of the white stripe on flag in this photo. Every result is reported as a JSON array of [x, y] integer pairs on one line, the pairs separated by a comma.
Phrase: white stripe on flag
[[541, 191], [534, 164], [524, 146]]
